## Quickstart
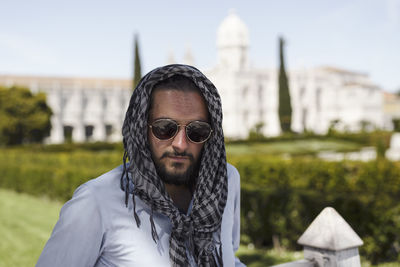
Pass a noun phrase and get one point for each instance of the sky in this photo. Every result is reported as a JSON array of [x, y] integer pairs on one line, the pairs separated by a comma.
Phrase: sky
[[95, 38]]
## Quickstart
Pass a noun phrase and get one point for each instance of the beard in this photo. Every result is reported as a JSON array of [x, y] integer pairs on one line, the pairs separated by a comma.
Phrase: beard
[[187, 177]]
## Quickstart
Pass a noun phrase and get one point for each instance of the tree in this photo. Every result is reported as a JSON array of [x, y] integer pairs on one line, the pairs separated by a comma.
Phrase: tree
[[24, 117], [137, 72], [285, 107]]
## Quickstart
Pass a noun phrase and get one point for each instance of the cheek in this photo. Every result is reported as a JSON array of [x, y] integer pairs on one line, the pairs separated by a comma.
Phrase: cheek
[[152, 144], [196, 151], [157, 147]]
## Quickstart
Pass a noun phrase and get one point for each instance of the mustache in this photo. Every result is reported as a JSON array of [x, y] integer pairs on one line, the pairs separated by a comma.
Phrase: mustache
[[176, 154]]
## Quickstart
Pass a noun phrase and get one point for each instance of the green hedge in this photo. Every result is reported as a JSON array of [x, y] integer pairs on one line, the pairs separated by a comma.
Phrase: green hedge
[[374, 138], [54, 174], [282, 197], [279, 197], [69, 147]]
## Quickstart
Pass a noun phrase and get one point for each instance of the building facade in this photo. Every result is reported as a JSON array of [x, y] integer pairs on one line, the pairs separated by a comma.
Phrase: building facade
[[84, 110], [93, 109], [321, 97]]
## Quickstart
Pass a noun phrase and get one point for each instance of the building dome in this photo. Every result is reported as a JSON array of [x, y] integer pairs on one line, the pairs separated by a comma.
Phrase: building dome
[[232, 32]]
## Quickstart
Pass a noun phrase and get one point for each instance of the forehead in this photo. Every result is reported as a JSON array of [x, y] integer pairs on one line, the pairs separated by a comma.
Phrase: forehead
[[182, 106]]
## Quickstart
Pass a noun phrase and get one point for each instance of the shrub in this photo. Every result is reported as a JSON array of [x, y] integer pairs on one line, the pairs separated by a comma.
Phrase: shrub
[[279, 198], [282, 197], [55, 174]]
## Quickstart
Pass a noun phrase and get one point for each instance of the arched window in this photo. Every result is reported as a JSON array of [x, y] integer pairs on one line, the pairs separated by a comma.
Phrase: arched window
[[318, 99], [260, 93], [67, 130], [245, 91]]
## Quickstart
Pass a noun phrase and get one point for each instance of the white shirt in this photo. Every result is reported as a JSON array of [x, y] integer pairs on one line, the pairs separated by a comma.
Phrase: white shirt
[[95, 228]]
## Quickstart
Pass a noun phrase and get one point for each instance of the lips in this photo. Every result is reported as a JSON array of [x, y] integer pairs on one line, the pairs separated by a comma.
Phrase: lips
[[178, 158]]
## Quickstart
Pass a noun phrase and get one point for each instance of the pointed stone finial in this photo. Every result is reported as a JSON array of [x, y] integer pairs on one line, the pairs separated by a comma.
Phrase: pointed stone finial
[[330, 231], [188, 56], [171, 57]]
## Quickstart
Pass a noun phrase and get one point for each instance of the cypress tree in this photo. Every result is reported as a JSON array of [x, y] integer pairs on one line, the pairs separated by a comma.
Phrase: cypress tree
[[285, 107], [137, 72]]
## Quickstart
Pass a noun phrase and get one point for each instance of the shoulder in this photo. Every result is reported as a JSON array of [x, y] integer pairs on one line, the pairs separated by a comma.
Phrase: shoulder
[[97, 193], [105, 183], [102, 186], [233, 177], [107, 180], [91, 201], [95, 188], [232, 171]]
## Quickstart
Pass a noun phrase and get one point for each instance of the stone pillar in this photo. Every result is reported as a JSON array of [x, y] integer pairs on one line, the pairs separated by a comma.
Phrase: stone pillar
[[99, 132], [330, 241], [54, 101], [56, 132], [78, 133]]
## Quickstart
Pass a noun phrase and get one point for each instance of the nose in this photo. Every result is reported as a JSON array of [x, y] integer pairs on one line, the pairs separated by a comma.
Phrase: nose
[[180, 142]]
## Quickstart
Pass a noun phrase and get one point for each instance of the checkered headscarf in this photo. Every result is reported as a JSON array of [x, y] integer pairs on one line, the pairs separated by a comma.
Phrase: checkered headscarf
[[199, 232]]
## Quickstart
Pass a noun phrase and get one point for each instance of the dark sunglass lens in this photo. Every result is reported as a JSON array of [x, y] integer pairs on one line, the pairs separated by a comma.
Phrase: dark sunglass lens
[[198, 131], [164, 129]]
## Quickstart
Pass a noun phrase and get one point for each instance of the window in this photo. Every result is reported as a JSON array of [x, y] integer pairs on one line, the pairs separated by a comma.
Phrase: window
[[105, 102], [109, 130], [246, 118], [304, 118], [68, 133], [64, 101], [302, 92], [122, 101], [245, 92], [88, 132], [318, 99], [84, 102], [260, 93]]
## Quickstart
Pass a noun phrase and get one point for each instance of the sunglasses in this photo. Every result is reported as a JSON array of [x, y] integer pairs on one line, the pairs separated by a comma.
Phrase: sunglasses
[[196, 131]]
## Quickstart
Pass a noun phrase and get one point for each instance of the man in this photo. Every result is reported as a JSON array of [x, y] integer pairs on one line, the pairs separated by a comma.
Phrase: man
[[181, 197]]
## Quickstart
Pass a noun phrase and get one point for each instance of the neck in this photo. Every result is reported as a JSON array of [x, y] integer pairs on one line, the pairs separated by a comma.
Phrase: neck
[[180, 194]]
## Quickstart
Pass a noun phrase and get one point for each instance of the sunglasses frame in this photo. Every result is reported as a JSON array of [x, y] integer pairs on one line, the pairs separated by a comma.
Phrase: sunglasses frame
[[178, 129]]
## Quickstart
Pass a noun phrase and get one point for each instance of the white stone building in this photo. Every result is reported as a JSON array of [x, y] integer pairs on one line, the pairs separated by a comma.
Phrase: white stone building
[[391, 109], [83, 109], [319, 96], [93, 109]]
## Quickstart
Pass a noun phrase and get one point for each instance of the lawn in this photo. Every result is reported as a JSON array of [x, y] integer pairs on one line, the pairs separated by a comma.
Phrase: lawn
[[25, 225], [294, 147], [261, 257]]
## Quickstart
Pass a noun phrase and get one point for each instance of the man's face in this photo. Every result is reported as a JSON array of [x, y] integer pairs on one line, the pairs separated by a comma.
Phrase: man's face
[[176, 159]]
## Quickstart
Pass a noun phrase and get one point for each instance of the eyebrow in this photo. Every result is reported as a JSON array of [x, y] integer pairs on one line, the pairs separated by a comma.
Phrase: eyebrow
[[189, 121]]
